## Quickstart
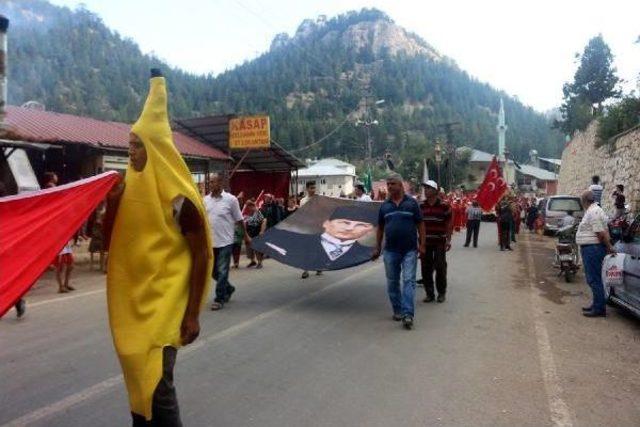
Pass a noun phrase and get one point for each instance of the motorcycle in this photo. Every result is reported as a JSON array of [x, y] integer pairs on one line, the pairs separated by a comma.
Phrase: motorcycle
[[566, 255], [618, 226]]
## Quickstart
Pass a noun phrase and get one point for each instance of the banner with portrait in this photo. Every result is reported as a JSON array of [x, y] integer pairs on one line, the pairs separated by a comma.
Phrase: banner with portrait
[[326, 233]]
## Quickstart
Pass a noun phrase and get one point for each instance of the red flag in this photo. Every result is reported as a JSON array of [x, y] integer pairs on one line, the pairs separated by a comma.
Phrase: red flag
[[259, 203], [492, 188], [35, 226]]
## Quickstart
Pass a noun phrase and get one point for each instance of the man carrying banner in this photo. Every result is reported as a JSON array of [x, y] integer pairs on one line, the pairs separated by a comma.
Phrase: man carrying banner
[[159, 263], [399, 221], [311, 192], [437, 220]]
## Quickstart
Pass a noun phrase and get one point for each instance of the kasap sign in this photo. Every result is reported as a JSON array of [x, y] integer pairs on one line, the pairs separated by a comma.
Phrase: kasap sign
[[249, 132]]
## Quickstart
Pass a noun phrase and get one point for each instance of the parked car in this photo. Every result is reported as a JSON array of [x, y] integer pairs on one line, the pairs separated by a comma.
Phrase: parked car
[[628, 295], [555, 208]]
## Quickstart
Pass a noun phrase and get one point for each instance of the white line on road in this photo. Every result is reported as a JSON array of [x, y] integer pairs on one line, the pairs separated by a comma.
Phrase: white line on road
[[560, 412], [61, 299], [104, 386]]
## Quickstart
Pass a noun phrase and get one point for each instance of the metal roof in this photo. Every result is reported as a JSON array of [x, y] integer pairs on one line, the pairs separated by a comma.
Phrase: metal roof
[[556, 162], [328, 167], [477, 155], [36, 126], [214, 131], [537, 173]]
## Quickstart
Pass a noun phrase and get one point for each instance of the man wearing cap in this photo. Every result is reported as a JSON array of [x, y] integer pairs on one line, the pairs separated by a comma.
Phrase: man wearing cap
[[399, 223], [361, 196], [334, 249], [437, 219]]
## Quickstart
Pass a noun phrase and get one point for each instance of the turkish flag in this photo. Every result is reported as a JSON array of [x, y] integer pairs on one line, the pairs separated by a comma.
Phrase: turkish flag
[[35, 226], [259, 203], [492, 188]]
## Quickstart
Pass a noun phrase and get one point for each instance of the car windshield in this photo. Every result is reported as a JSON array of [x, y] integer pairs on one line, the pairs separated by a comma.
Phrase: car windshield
[[569, 204]]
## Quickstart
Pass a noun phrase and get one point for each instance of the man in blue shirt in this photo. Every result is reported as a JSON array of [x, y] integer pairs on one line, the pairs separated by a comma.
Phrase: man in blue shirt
[[400, 222]]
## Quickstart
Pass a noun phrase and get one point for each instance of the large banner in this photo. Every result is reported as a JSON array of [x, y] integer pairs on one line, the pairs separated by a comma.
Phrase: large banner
[[35, 226], [325, 234]]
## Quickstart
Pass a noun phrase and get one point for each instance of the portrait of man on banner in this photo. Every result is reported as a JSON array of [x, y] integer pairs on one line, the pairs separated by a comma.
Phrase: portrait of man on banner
[[325, 234]]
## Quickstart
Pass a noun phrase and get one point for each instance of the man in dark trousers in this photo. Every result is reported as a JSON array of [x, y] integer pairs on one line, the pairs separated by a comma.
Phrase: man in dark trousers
[[334, 249], [437, 218], [505, 220], [474, 216], [400, 223]]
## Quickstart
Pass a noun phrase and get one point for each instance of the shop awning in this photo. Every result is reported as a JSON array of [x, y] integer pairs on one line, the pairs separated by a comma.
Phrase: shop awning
[[214, 131]]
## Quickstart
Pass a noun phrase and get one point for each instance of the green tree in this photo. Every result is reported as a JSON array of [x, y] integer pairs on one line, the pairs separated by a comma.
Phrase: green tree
[[594, 82]]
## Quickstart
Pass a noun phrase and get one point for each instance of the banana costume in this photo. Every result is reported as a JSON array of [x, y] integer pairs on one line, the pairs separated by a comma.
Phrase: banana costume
[[149, 259]]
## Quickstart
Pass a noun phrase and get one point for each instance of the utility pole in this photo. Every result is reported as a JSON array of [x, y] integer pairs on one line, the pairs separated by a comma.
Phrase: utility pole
[[450, 149], [367, 123]]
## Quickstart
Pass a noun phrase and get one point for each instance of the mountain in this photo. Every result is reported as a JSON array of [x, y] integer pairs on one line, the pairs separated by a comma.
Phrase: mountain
[[316, 82]]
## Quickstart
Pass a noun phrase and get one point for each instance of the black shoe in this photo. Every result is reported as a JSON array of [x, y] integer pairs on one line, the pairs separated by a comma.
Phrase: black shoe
[[407, 322], [466, 246], [509, 248], [420, 281], [21, 308], [318, 273], [594, 313], [441, 298], [305, 274], [251, 264], [587, 308], [429, 298], [229, 293], [397, 317]]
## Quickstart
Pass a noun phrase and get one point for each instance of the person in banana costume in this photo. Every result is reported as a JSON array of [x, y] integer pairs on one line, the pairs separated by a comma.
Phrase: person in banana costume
[[160, 260]]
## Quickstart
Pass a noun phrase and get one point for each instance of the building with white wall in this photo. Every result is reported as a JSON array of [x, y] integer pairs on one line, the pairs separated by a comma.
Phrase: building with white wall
[[333, 177]]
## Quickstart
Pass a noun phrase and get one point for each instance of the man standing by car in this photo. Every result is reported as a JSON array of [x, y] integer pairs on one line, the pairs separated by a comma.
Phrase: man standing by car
[[596, 188], [400, 220], [593, 238]]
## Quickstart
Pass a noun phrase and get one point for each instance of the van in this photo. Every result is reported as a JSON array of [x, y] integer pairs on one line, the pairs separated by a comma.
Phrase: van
[[555, 208]]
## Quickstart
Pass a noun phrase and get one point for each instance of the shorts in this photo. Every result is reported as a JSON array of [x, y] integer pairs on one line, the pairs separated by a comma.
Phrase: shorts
[[64, 259]]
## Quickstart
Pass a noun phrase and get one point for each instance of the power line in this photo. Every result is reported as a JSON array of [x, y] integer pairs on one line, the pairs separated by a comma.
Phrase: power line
[[323, 138]]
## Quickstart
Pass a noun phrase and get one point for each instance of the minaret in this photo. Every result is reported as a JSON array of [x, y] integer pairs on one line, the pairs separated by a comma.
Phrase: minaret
[[502, 129]]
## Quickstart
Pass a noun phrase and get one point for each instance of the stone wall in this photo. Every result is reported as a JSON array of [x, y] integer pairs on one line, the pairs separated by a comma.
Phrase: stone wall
[[617, 162]]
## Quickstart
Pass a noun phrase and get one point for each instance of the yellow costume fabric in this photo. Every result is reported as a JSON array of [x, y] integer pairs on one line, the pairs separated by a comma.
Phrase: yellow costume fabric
[[149, 259]]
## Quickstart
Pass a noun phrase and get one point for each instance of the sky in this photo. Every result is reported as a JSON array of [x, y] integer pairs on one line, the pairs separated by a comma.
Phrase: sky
[[526, 48]]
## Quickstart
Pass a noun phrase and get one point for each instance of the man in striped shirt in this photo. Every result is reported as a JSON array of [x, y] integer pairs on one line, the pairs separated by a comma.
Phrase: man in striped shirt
[[437, 218]]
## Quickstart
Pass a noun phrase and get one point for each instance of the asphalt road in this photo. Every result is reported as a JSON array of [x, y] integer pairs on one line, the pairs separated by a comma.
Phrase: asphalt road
[[508, 348]]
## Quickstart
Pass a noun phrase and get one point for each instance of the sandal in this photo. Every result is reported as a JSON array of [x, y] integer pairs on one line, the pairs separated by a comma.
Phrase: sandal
[[216, 306]]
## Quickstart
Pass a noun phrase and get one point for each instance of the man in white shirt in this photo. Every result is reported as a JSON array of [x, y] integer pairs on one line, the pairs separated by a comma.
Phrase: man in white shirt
[[223, 212], [593, 238], [311, 192], [361, 196]]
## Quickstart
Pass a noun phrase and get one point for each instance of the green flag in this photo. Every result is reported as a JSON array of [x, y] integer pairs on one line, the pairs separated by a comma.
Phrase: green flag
[[367, 181]]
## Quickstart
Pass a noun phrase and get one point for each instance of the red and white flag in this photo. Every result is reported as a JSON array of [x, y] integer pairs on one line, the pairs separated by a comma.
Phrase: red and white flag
[[35, 226], [259, 203], [492, 188]]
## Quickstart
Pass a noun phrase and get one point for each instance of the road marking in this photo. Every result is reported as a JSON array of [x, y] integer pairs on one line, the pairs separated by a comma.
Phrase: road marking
[[560, 412], [61, 299], [106, 385]]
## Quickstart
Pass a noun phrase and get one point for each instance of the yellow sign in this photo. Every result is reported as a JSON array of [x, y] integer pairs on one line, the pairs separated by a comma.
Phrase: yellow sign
[[249, 132]]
